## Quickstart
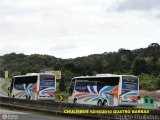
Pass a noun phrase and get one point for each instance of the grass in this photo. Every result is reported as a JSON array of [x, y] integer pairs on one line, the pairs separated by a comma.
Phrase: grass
[[5, 85]]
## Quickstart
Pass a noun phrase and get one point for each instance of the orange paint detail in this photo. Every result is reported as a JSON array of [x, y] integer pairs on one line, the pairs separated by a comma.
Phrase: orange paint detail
[[35, 89], [51, 93], [81, 94], [115, 92], [133, 97]]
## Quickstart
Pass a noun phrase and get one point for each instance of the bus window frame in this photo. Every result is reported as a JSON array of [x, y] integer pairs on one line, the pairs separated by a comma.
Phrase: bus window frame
[[70, 93], [96, 79], [27, 81]]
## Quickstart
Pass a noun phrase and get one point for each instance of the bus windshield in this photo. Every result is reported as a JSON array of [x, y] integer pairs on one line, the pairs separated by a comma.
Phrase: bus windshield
[[129, 82], [47, 81]]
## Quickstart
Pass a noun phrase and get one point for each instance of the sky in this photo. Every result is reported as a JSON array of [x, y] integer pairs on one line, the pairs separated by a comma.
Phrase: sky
[[74, 28]]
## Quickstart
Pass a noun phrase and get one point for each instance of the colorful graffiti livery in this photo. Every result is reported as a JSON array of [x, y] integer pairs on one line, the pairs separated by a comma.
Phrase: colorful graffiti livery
[[37, 86], [104, 89]]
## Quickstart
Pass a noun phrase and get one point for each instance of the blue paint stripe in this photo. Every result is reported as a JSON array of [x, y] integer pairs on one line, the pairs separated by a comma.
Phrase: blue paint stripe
[[92, 89], [95, 99], [108, 89]]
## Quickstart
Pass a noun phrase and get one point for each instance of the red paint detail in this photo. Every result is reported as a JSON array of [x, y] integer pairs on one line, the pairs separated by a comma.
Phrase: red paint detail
[[80, 94], [35, 89], [114, 92], [135, 97], [51, 93]]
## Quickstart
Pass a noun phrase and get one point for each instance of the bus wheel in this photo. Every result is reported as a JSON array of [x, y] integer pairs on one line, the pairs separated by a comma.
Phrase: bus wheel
[[105, 103], [26, 97], [75, 101], [100, 103], [29, 97]]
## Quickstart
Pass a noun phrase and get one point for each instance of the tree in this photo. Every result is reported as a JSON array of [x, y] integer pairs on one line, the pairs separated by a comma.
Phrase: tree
[[153, 45], [157, 83], [139, 66], [67, 76], [143, 62], [147, 82], [62, 86]]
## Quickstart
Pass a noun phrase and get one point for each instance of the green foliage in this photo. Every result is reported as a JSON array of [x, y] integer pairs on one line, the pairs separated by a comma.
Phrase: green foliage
[[144, 62], [149, 82], [157, 83], [146, 81], [4, 86], [67, 76], [62, 86], [140, 66]]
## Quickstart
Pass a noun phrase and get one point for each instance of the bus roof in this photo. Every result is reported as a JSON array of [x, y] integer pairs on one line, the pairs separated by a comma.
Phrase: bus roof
[[104, 75], [113, 75], [33, 74]]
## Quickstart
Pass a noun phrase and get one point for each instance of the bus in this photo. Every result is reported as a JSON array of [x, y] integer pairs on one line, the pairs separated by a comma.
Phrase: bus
[[33, 86], [104, 89]]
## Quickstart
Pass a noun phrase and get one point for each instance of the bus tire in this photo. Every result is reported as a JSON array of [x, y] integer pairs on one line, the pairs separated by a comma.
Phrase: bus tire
[[27, 97], [75, 100], [99, 103], [105, 103]]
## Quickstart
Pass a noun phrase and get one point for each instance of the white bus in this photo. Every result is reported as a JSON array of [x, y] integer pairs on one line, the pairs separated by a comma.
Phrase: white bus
[[33, 86], [105, 89]]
